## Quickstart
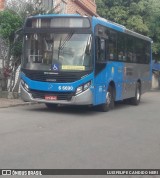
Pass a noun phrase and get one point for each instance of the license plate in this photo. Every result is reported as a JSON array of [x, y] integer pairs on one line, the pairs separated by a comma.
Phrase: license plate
[[51, 97]]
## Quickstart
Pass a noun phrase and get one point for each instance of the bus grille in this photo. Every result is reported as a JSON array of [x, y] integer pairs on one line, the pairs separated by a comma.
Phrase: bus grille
[[60, 96], [56, 78]]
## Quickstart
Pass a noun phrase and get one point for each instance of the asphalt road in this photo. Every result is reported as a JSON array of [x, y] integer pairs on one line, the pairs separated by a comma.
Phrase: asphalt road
[[80, 138]]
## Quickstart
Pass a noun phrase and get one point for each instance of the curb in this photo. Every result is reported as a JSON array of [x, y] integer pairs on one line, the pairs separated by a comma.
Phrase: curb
[[18, 104]]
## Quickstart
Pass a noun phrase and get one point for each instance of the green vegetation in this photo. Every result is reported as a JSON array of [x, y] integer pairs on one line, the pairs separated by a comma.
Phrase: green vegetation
[[11, 20], [142, 16], [9, 23]]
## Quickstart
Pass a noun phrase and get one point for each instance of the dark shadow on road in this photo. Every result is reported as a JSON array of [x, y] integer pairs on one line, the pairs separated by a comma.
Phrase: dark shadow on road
[[85, 110], [80, 110]]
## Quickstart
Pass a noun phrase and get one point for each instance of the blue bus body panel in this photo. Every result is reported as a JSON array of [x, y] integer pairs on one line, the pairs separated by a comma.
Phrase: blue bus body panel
[[96, 21], [56, 87], [113, 72]]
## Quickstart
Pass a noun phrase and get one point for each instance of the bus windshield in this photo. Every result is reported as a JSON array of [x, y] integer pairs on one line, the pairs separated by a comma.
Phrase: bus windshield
[[58, 52]]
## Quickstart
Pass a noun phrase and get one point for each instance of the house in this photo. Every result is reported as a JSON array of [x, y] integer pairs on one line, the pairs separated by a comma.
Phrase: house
[[82, 7], [1, 4]]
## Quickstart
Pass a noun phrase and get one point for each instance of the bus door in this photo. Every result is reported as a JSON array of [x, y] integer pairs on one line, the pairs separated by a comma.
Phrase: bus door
[[100, 71]]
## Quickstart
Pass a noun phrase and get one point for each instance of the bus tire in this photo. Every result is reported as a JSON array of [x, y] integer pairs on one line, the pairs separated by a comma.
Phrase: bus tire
[[136, 100], [109, 100], [51, 106]]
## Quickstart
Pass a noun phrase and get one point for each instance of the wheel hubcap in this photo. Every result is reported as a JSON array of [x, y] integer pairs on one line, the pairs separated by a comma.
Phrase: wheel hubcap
[[138, 94], [108, 97]]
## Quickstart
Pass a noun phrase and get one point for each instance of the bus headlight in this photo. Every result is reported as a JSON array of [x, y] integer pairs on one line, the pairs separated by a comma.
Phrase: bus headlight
[[25, 86], [86, 86], [79, 90], [82, 88]]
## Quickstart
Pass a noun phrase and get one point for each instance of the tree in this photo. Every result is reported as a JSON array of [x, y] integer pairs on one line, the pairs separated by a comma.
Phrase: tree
[[28, 7], [130, 13], [154, 26], [3, 57], [9, 23], [141, 16]]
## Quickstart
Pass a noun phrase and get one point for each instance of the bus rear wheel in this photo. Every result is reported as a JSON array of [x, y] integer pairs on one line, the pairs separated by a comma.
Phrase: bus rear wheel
[[137, 98], [109, 100]]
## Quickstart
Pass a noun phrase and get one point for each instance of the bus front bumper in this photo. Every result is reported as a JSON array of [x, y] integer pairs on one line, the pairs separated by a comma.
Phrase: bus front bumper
[[84, 98]]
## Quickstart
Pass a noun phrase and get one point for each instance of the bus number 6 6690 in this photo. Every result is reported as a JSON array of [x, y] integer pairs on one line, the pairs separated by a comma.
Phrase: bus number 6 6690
[[65, 88]]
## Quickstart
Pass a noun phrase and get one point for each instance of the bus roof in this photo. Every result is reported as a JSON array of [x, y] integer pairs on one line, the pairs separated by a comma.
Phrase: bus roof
[[101, 21], [118, 27], [56, 15]]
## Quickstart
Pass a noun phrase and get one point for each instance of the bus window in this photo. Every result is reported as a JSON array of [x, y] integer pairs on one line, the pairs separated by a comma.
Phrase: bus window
[[142, 51], [139, 50], [129, 48], [100, 49], [121, 47], [112, 46], [147, 52]]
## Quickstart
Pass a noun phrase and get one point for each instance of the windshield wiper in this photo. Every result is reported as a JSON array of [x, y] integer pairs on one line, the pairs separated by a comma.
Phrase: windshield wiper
[[62, 45], [59, 48], [68, 37]]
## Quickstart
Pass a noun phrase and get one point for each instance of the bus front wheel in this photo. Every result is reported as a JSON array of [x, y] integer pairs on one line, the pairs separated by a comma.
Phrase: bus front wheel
[[109, 100]]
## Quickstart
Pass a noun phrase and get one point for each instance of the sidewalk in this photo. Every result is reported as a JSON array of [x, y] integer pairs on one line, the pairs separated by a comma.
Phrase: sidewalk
[[4, 103]]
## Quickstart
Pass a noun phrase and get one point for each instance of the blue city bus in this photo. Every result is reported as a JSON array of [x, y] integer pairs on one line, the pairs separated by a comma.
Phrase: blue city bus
[[79, 60]]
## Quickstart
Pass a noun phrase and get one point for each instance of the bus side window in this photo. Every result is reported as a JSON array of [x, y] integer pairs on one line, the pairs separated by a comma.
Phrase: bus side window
[[129, 48], [121, 47], [139, 50], [147, 52], [112, 46], [100, 49]]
